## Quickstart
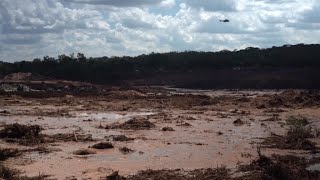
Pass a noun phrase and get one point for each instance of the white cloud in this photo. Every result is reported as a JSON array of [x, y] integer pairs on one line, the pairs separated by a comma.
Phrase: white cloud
[[213, 5], [121, 3], [33, 28]]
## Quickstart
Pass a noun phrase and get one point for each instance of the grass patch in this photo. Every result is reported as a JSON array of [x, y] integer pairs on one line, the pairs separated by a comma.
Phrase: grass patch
[[297, 121], [297, 137]]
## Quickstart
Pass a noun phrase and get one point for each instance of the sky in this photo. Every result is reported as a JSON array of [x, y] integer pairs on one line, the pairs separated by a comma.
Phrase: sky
[[36, 28]]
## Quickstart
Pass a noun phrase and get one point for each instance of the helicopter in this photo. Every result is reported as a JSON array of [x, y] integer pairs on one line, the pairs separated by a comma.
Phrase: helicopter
[[224, 20]]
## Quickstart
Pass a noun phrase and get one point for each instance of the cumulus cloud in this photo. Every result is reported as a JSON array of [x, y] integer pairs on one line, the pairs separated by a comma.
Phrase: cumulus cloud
[[213, 5], [33, 28], [121, 3]]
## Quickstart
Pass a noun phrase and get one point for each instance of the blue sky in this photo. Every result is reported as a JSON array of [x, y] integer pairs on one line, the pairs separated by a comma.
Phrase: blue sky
[[35, 28]]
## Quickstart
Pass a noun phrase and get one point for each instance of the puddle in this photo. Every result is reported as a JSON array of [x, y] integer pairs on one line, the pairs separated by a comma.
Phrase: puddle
[[110, 115]]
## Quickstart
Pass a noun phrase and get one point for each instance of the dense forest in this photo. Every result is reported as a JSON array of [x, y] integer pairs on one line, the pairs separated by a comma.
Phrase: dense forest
[[162, 65]]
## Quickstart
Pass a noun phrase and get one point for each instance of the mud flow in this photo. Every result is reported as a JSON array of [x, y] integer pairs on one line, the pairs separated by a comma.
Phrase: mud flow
[[96, 132]]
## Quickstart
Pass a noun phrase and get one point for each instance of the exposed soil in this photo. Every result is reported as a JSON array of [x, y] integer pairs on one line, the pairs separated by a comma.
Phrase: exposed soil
[[157, 132]]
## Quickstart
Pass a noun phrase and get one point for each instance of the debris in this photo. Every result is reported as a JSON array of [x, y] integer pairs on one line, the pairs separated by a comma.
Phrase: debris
[[278, 167], [184, 124], [7, 173], [126, 150], [238, 122], [219, 133], [115, 176], [296, 138], [4, 112], [15, 88], [7, 153], [120, 138], [102, 145], [274, 110], [205, 174], [273, 118], [134, 124], [72, 137], [83, 152], [167, 129], [20, 131], [291, 98], [261, 106]]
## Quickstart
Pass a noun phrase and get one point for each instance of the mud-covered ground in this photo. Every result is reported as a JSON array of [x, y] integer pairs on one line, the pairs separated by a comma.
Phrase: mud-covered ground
[[159, 132]]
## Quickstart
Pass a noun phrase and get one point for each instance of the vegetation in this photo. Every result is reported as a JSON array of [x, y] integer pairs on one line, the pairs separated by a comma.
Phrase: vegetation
[[279, 167], [297, 136], [113, 69]]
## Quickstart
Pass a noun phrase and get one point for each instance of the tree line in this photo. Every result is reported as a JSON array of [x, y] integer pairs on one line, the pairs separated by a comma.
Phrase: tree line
[[112, 69]]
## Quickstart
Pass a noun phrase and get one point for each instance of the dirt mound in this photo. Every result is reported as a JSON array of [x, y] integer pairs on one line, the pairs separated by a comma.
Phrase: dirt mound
[[134, 124], [291, 98], [20, 76]]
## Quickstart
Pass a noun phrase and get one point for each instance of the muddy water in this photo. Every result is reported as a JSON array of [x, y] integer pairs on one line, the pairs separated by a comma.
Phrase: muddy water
[[189, 147], [198, 146]]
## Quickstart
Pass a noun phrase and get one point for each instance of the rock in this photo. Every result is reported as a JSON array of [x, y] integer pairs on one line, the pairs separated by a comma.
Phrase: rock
[[167, 129]]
